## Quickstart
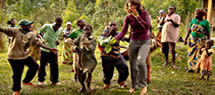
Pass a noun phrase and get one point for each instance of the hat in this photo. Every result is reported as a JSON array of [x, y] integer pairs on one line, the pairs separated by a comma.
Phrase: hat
[[25, 22], [161, 11], [68, 23]]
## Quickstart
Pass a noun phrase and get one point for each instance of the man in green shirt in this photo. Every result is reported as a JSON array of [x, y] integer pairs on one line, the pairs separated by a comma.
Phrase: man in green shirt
[[18, 53], [50, 33]]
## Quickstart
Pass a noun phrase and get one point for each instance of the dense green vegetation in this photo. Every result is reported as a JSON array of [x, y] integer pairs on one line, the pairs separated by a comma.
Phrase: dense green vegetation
[[96, 12]]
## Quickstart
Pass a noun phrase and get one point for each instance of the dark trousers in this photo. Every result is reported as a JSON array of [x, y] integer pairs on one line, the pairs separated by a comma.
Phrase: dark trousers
[[108, 64], [85, 79], [46, 58], [18, 66]]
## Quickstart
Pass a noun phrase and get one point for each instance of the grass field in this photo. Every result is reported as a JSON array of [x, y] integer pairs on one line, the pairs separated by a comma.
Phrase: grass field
[[164, 80]]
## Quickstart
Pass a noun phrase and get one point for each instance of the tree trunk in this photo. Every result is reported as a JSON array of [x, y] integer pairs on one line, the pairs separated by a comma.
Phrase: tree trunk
[[107, 14], [1, 35]]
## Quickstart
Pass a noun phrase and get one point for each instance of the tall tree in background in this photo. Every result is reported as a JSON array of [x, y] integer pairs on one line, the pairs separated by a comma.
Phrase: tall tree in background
[[71, 13]]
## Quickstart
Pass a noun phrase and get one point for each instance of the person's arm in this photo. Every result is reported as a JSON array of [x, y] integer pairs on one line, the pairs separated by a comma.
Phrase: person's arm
[[76, 44], [124, 30], [42, 30], [187, 36], [174, 24], [175, 21], [38, 42], [162, 21], [92, 45], [8, 31], [51, 49], [145, 24]]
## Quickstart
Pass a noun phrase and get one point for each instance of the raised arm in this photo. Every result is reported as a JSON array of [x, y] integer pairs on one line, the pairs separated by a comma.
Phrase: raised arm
[[145, 23], [8, 31]]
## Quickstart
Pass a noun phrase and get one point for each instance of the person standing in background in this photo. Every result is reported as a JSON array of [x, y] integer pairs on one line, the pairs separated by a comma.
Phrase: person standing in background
[[169, 35]]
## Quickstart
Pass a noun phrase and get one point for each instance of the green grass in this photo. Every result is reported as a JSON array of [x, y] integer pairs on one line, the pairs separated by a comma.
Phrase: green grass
[[164, 80]]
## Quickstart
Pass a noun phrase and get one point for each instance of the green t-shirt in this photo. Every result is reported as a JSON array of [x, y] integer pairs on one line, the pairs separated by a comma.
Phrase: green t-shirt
[[203, 23], [50, 36]]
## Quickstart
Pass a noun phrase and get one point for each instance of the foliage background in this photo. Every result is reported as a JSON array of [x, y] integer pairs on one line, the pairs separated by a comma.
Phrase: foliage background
[[96, 12]]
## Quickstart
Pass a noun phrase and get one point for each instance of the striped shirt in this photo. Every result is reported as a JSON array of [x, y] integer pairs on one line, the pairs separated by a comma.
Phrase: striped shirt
[[115, 51]]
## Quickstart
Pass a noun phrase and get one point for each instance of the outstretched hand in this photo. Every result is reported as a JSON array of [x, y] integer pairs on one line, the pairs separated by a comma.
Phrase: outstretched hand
[[54, 50]]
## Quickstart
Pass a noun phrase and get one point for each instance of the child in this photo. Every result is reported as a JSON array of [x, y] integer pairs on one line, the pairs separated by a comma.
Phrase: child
[[112, 58], [85, 46], [206, 59]]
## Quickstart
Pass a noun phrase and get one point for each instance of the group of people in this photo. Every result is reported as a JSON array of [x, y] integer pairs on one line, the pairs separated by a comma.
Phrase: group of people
[[80, 46], [199, 57]]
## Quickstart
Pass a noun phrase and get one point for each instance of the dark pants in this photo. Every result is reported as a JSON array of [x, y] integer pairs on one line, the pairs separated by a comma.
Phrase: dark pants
[[53, 60], [165, 49], [84, 79], [108, 64], [18, 66]]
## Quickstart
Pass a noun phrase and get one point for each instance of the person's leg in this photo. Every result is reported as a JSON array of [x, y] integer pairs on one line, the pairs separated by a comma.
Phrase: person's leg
[[209, 73], [148, 62], [172, 49], [203, 73], [32, 69], [122, 68], [44, 57], [165, 51], [54, 72], [133, 52], [89, 78], [17, 67], [141, 62], [81, 78], [108, 69]]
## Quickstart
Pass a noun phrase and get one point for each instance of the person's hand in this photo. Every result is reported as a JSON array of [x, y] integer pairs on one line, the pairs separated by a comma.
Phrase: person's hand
[[107, 27], [86, 43], [185, 42], [54, 50], [134, 13]]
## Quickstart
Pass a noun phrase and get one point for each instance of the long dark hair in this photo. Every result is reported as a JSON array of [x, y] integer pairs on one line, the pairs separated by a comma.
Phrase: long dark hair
[[134, 2]]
